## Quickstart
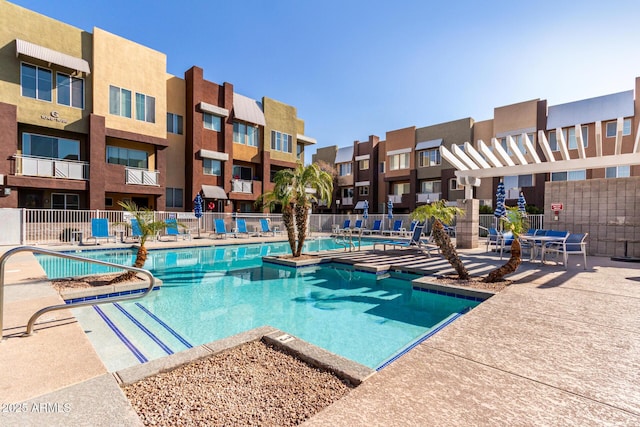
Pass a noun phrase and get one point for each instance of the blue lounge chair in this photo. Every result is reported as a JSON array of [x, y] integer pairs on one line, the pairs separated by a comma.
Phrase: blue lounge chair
[[415, 242], [377, 228], [346, 225], [136, 231], [358, 225], [397, 228], [241, 227], [100, 230], [220, 228], [266, 227], [172, 231]]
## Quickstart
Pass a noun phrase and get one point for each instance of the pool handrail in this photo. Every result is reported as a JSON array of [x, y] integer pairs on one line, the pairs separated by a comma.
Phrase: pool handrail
[[37, 314]]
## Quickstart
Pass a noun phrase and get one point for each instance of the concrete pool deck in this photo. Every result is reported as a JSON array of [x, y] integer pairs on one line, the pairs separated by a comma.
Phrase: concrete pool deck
[[556, 347]]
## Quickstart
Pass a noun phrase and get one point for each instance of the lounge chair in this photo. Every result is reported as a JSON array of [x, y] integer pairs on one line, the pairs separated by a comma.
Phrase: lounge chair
[[136, 231], [220, 228], [397, 228], [100, 230], [411, 228], [358, 225], [575, 243], [346, 226], [171, 230], [266, 227], [377, 228], [241, 227], [415, 242]]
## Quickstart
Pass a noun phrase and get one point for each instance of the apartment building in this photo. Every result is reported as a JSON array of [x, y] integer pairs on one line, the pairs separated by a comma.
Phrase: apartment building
[[92, 119]]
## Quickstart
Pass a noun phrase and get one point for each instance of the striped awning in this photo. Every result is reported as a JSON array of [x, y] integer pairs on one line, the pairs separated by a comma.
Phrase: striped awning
[[51, 56], [248, 110], [213, 192]]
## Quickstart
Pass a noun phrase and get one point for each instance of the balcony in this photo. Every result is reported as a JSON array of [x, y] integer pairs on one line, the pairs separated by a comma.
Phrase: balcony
[[427, 197], [512, 193], [139, 176], [51, 168], [395, 198], [242, 186], [347, 201]]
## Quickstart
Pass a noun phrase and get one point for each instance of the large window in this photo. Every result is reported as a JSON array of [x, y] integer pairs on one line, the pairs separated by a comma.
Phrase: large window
[[212, 122], [212, 167], [50, 147], [119, 101], [363, 164], [70, 90], [518, 181], [364, 190], [401, 188], [174, 123], [248, 135], [570, 138], [242, 172], [618, 172], [579, 175], [344, 169], [347, 192], [127, 157], [65, 201], [281, 142], [36, 82], [612, 126], [174, 198], [145, 108], [429, 158], [399, 161], [431, 186]]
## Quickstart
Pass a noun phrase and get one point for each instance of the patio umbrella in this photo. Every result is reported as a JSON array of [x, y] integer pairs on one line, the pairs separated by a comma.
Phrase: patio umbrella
[[197, 209], [365, 213], [522, 203], [390, 211], [500, 210]]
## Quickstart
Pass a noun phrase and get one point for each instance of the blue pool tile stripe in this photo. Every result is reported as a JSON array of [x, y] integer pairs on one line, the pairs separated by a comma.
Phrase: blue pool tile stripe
[[164, 325], [419, 341], [137, 353], [449, 294], [144, 329], [103, 296]]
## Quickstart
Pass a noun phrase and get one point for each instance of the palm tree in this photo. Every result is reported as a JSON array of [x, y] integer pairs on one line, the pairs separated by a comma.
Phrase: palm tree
[[441, 215], [296, 190], [516, 222], [148, 227]]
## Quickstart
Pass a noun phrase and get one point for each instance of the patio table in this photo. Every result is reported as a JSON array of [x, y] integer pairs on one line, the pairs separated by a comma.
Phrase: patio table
[[542, 240]]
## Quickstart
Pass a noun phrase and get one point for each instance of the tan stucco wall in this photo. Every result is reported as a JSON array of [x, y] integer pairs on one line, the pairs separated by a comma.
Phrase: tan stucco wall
[[246, 153], [176, 104], [17, 22], [326, 154], [282, 118], [399, 139], [454, 132], [515, 116], [128, 65]]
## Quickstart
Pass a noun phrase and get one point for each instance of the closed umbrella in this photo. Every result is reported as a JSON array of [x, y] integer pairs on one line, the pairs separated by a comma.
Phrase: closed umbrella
[[522, 204], [365, 213], [500, 210], [390, 212], [197, 209]]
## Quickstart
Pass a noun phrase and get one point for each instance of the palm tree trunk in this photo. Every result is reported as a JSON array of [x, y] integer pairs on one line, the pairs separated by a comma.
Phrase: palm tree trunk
[[141, 258], [287, 218], [449, 252], [511, 265], [301, 225]]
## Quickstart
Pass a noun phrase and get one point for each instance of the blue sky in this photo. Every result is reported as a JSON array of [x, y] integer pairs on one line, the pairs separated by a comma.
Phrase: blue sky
[[357, 68]]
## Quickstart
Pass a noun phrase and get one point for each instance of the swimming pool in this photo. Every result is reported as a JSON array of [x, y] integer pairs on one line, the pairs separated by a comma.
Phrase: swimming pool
[[213, 293]]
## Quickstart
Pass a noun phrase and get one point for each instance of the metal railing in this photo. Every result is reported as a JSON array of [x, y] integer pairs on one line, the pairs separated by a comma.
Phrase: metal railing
[[37, 314], [51, 168], [241, 186], [141, 176]]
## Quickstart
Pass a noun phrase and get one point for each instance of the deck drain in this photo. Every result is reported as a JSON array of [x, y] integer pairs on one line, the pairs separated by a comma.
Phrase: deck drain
[[285, 338]]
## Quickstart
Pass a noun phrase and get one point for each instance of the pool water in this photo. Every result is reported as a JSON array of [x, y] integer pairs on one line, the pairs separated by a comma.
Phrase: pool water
[[212, 293]]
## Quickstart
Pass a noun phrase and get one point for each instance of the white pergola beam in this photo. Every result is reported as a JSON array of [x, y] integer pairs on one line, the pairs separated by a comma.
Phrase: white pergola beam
[[580, 142], [544, 144], [562, 144], [516, 151], [619, 130], [636, 146], [488, 155], [459, 153], [449, 157], [530, 148], [500, 153], [473, 153], [599, 138]]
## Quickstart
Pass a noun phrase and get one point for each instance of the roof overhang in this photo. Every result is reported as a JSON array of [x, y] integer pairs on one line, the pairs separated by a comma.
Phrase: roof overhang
[[248, 110], [51, 56], [399, 151], [213, 192], [426, 145], [215, 155], [363, 157], [306, 140], [213, 109]]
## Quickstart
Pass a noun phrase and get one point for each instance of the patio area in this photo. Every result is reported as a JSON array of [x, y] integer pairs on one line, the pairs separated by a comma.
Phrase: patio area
[[556, 347]]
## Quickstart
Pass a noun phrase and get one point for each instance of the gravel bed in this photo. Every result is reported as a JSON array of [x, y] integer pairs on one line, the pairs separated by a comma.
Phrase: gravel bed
[[254, 384]]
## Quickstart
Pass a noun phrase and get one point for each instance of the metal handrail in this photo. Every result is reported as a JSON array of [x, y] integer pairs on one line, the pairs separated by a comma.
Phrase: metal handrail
[[37, 314]]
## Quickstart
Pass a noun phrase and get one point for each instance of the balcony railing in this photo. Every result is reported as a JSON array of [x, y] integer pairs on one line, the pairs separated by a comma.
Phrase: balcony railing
[[141, 176], [51, 168], [395, 198], [347, 201], [242, 186], [427, 197], [512, 193]]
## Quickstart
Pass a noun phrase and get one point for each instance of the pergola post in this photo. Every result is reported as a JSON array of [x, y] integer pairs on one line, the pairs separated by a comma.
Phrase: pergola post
[[467, 226]]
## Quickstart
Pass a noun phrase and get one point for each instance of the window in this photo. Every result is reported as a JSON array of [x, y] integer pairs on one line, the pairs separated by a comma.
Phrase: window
[[145, 108], [50, 147], [618, 172], [431, 186], [242, 172], [453, 185], [119, 101], [569, 137], [363, 164], [364, 190], [70, 90], [127, 157], [399, 161], [612, 126], [579, 175], [347, 192], [174, 197], [344, 169], [299, 150], [401, 188], [213, 122], [281, 141], [174, 123], [518, 181], [383, 167], [212, 167], [36, 82], [108, 201], [248, 134], [429, 158], [65, 201]]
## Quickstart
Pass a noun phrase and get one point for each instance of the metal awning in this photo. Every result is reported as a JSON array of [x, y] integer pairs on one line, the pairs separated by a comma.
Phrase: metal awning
[[344, 155], [305, 139], [360, 205], [215, 155], [213, 109], [426, 145], [213, 192], [51, 56], [248, 110], [363, 157]]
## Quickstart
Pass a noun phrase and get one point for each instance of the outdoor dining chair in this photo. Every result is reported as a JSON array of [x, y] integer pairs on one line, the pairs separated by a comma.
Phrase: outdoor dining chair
[[575, 243], [100, 230]]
